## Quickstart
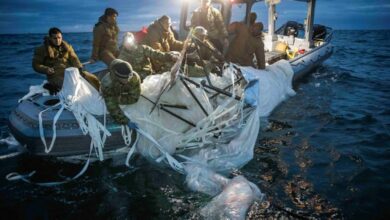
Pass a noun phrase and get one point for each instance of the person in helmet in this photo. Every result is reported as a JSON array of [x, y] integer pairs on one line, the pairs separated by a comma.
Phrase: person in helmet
[[211, 19], [140, 56], [202, 56], [121, 86], [105, 38]]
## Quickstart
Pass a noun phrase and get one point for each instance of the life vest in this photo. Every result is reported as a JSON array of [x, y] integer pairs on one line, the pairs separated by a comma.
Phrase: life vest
[[291, 53]]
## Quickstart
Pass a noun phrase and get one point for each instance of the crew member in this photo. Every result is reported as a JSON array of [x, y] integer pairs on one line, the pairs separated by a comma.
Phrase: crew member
[[247, 43], [121, 86], [105, 38], [53, 57], [160, 37], [139, 56], [211, 19]]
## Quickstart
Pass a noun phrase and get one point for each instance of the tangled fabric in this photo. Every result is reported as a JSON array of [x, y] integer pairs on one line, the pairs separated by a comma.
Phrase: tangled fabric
[[199, 131]]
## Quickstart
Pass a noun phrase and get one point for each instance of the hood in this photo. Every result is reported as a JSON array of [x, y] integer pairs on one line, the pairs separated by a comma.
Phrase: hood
[[157, 25], [64, 47], [103, 20]]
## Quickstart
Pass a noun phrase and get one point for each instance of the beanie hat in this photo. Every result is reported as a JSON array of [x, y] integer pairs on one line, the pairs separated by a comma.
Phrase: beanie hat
[[110, 11], [121, 69], [164, 18]]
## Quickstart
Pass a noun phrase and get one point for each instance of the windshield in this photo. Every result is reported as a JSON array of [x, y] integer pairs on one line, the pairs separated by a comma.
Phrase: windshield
[[261, 11], [238, 12]]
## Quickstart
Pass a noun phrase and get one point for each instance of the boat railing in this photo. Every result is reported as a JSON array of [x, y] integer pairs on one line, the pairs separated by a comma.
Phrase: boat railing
[[329, 36]]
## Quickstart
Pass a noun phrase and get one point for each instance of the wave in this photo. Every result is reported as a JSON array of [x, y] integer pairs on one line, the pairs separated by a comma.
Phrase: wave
[[34, 43], [26, 50], [12, 43]]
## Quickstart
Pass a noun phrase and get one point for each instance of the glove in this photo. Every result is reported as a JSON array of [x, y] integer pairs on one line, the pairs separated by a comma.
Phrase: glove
[[53, 90], [174, 55], [132, 125]]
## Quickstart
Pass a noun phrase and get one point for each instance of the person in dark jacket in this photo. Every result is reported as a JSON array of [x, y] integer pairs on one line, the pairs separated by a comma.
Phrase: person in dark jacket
[[53, 57], [105, 38]]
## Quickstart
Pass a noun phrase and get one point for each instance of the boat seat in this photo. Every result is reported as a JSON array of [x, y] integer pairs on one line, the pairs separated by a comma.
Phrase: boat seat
[[274, 56]]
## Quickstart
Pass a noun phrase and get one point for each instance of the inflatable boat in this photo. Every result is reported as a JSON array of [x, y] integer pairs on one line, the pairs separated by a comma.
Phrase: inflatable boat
[[304, 49]]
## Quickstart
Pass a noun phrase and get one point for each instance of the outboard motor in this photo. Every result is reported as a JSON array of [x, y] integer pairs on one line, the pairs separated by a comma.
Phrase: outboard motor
[[291, 28], [319, 32]]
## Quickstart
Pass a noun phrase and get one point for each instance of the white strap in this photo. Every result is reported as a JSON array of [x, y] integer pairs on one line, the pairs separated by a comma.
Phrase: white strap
[[41, 131], [26, 178], [176, 165], [131, 151]]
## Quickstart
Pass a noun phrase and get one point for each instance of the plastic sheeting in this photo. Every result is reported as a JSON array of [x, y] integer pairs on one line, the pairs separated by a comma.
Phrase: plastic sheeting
[[79, 97], [275, 85], [222, 140], [37, 89], [234, 202], [222, 135]]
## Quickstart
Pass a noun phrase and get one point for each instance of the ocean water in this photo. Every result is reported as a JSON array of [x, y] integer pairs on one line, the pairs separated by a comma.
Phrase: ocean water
[[324, 153]]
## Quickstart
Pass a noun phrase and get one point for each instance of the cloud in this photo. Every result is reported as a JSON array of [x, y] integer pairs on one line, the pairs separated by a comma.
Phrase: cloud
[[369, 7], [20, 14]]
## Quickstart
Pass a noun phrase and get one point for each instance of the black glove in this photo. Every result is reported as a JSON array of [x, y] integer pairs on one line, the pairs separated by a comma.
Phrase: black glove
[[53, 90]]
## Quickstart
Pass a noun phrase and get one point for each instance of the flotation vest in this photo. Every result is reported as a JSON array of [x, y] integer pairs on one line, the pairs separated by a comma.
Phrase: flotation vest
[[291, 53]]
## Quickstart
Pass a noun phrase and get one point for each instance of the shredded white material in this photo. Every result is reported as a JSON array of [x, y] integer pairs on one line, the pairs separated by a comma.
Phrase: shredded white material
[[217, 137], [79, 97], [37, 89]]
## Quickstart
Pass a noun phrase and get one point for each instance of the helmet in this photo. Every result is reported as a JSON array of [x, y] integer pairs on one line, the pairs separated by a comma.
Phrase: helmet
[[199, 32]]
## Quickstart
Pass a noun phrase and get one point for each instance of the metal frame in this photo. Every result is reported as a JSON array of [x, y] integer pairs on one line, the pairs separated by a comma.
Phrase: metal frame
[[226, 12]]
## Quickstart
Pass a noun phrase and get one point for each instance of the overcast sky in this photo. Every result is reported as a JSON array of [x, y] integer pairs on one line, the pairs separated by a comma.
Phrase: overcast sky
[[37, 16]]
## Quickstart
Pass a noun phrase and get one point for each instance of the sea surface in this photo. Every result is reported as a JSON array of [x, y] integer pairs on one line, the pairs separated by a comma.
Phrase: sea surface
[[324, 153]]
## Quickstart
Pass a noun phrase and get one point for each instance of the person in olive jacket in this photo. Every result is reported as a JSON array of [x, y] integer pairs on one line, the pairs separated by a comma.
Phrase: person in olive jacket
[[105, 38], [53, 57], [160, 37]]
